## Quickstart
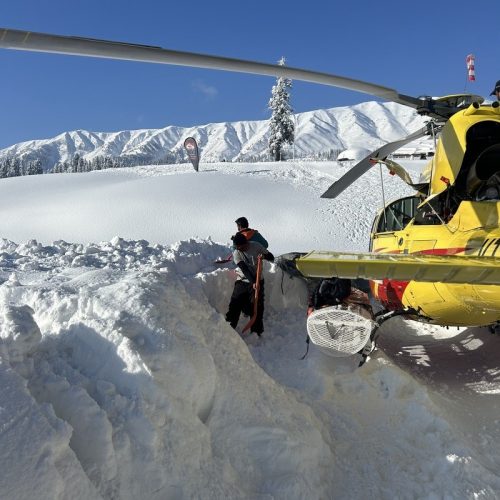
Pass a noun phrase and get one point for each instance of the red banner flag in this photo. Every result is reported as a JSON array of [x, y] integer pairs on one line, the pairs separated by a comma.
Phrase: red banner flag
[[192, 151]]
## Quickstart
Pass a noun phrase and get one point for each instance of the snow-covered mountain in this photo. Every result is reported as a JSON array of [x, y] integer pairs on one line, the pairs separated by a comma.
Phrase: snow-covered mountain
[[365, 125]]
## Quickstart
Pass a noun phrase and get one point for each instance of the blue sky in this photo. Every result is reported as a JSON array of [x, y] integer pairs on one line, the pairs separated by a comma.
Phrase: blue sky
[[415, 48]]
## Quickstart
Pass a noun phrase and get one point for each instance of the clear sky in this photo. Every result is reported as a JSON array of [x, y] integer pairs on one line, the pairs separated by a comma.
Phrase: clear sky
[[415, 48]]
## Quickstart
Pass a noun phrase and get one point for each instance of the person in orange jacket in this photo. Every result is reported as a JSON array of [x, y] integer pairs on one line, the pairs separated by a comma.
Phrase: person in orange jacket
[[250, 234], [245, 257]]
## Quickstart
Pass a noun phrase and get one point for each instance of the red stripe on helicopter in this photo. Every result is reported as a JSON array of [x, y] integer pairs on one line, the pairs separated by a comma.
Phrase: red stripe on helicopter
[[430, 251], [389, 292], [443, 251]]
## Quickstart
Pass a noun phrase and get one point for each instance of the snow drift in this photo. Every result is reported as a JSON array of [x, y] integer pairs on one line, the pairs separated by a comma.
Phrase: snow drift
[[120, 378]]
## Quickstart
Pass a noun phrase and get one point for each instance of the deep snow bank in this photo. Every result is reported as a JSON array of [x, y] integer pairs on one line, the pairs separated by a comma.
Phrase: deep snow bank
[[119, 378], [131, 384]]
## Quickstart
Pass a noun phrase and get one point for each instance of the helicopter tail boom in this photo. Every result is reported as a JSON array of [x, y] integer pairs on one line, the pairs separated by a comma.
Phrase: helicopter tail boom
[[401, 267]]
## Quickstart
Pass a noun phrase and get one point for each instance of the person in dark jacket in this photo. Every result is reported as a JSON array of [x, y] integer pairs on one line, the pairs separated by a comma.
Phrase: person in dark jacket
[[496, 91], [250, 234], [245, 257]]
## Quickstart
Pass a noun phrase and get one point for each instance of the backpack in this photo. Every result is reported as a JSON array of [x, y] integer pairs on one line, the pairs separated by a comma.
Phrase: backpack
[[330, 292]]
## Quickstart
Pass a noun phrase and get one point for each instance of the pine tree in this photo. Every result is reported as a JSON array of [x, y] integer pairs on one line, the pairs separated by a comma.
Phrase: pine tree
[[73, 164], [38, 167], [29, 169], [4, 171], [15, 168], [282, 128]]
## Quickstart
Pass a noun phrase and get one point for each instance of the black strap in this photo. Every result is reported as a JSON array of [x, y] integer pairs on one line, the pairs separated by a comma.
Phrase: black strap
[[247, 271], [307, 349]]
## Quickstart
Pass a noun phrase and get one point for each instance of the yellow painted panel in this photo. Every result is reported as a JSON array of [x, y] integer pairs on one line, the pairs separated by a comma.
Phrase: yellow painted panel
[[454, 304]]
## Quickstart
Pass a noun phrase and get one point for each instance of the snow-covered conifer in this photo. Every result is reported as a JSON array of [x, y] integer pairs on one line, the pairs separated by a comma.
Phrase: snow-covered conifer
[[15, 168], [282, 128], [4, 169]]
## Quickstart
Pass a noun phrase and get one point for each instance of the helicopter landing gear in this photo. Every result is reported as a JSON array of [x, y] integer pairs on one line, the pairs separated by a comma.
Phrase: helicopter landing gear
[[494, 328], [380, 318]]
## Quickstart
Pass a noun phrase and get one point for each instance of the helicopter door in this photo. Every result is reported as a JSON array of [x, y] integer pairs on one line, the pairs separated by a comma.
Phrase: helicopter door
[[394, 217]]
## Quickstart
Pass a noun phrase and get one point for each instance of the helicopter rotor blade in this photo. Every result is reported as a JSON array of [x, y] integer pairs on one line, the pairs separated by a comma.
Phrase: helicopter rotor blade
[[41, 42], [366, 163]]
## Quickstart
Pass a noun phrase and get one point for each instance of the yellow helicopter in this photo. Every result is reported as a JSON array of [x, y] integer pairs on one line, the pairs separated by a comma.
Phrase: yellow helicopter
[[433, 256]]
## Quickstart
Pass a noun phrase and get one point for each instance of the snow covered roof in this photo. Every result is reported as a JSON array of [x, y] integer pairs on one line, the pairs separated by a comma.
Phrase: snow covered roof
[[353, 154]]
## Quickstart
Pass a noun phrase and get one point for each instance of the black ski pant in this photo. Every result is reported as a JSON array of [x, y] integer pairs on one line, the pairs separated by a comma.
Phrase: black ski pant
[[242, 302]]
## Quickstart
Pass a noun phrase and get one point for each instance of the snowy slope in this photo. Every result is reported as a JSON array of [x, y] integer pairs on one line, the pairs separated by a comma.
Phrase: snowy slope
[[120, 378], [166, 204], [366, 125]]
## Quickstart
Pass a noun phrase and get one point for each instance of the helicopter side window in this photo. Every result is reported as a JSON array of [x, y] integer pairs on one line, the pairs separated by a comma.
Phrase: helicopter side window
[[428, 214], [397, 214]]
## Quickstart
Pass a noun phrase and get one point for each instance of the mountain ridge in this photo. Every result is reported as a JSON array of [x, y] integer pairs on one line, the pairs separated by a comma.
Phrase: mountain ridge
[[320, 132]]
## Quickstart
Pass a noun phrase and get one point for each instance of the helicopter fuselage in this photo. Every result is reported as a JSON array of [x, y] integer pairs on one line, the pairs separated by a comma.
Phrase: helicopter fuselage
[[472, 231], [460, 216]]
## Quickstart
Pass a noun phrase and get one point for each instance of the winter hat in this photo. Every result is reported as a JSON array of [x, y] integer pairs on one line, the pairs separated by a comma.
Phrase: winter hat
[[239, 239], [497, 88]]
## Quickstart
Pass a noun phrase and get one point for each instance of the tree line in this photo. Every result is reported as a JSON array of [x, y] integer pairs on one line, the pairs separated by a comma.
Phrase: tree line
[[78, 164], [14, 167]]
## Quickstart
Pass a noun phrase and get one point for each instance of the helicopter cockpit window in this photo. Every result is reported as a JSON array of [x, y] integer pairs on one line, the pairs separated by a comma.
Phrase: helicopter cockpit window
[[463, 101], [458, 101], [397, 214]]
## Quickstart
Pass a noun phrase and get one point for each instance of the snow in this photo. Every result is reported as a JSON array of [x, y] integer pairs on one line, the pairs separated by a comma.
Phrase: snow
[[353, 154], [121, 379]]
